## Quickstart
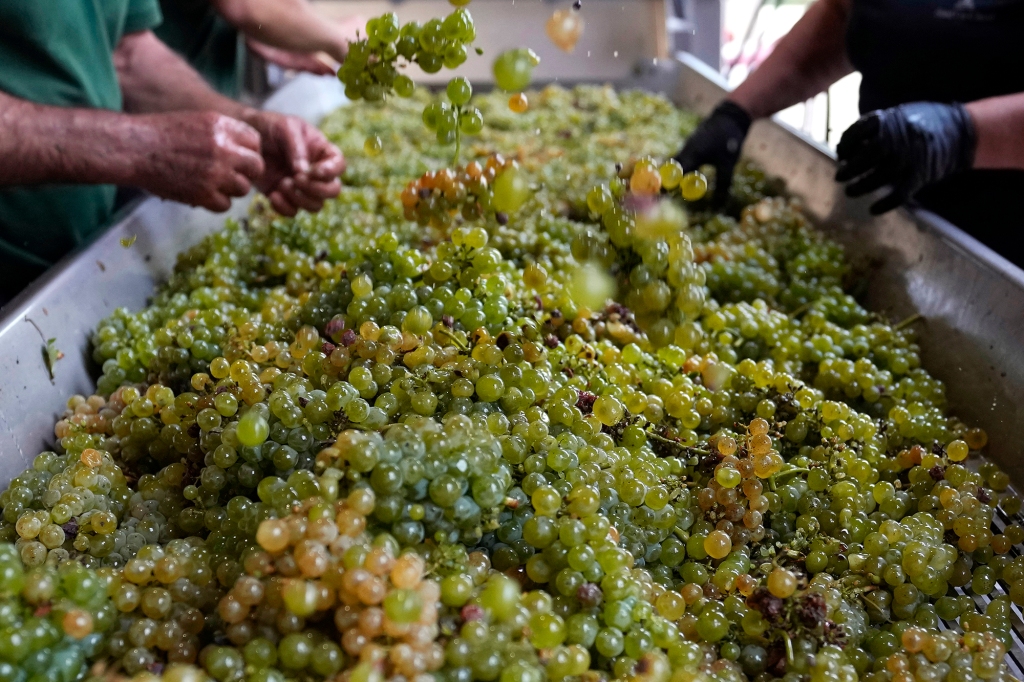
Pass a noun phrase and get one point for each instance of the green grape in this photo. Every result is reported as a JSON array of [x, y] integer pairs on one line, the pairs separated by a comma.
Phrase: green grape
[[609, 642], [499, 597], [513, 69], [403, 606], [252, 429], [712, 625], [404, 86], [471, 121], [511, 191], [547, 630], [459, 91], [294, 651], [456, 590]]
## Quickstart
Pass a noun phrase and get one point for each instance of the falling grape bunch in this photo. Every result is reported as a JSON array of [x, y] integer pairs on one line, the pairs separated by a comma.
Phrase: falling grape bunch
[[371, 71]]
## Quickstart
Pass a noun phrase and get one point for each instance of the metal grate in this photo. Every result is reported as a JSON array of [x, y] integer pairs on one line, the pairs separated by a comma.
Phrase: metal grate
[[1015, 652]]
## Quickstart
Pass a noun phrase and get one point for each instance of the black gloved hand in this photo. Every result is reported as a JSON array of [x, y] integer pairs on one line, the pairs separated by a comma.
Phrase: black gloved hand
[[717, 142], [905, 147]]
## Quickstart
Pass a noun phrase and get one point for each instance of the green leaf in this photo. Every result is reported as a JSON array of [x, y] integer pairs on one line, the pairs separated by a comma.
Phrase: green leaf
[[51, 354]]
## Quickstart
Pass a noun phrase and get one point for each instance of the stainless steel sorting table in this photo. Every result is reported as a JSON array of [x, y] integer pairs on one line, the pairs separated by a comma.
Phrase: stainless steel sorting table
[[971, 299]]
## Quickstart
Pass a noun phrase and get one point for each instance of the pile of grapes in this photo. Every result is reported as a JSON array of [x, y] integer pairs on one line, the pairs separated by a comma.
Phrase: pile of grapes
[[412, 439]]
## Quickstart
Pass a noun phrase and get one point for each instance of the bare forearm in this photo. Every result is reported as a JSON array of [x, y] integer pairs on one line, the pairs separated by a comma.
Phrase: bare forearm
[[999, 125], [285, 24], [43, 144], [806, 61], [154, 79]]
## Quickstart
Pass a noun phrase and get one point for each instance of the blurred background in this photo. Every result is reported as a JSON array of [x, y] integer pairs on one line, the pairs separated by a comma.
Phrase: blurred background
[[750, 29], [732, 36]]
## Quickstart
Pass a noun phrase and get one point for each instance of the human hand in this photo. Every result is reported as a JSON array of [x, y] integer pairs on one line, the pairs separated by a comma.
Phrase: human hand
[[302, 167], [295, 61], [332, 46], [905, 147], [197, 158], [717, 141]]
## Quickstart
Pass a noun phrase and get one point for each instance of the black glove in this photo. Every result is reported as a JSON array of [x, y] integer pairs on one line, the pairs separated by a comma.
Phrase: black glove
[[717, 142], [905, 147]]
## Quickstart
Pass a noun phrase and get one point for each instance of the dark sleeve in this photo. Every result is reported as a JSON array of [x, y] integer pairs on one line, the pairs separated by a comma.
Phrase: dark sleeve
[[142, 15]]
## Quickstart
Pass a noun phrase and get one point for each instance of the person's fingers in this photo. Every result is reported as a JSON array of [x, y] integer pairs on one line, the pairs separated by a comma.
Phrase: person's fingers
[[282, 205], [249, 163], [298, 198], [863, 129], [319, 68], [855, 162], [216, 202], [897, 197], [242, 134], [235, 185], [327, 161], [327, 170], [296, 144], [286, 59], [318, 189], [875, 178], [723, 183], [688, 159]]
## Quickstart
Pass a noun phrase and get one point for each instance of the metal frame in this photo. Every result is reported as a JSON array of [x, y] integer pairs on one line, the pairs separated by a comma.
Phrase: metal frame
[[695, 27]]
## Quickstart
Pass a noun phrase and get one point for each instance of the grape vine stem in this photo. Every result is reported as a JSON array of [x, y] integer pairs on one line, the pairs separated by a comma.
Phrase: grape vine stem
[[916, 317], [800, 311], [454, 339], [669, 441], [789, 472]]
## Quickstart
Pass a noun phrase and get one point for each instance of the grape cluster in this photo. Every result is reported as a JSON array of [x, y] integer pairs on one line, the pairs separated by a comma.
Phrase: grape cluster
[[492, 424], [370, 71], [437, 197], [451, 121], [316, 566], [643, 238], [429, 482]]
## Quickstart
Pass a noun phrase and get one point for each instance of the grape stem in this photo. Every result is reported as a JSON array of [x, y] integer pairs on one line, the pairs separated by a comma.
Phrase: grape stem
[[458, 135], [458, 148], [789, 647], [454, 339], [916, 317], [669, 441], [356, 427], [800, 311], [797, 470]]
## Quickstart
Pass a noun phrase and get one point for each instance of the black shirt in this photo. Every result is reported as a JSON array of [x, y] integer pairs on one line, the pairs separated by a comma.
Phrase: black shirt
[[948, 51]]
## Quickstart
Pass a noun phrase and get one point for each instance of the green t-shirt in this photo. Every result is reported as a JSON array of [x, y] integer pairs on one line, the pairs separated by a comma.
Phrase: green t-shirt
[[195, 30], [60, 53]]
